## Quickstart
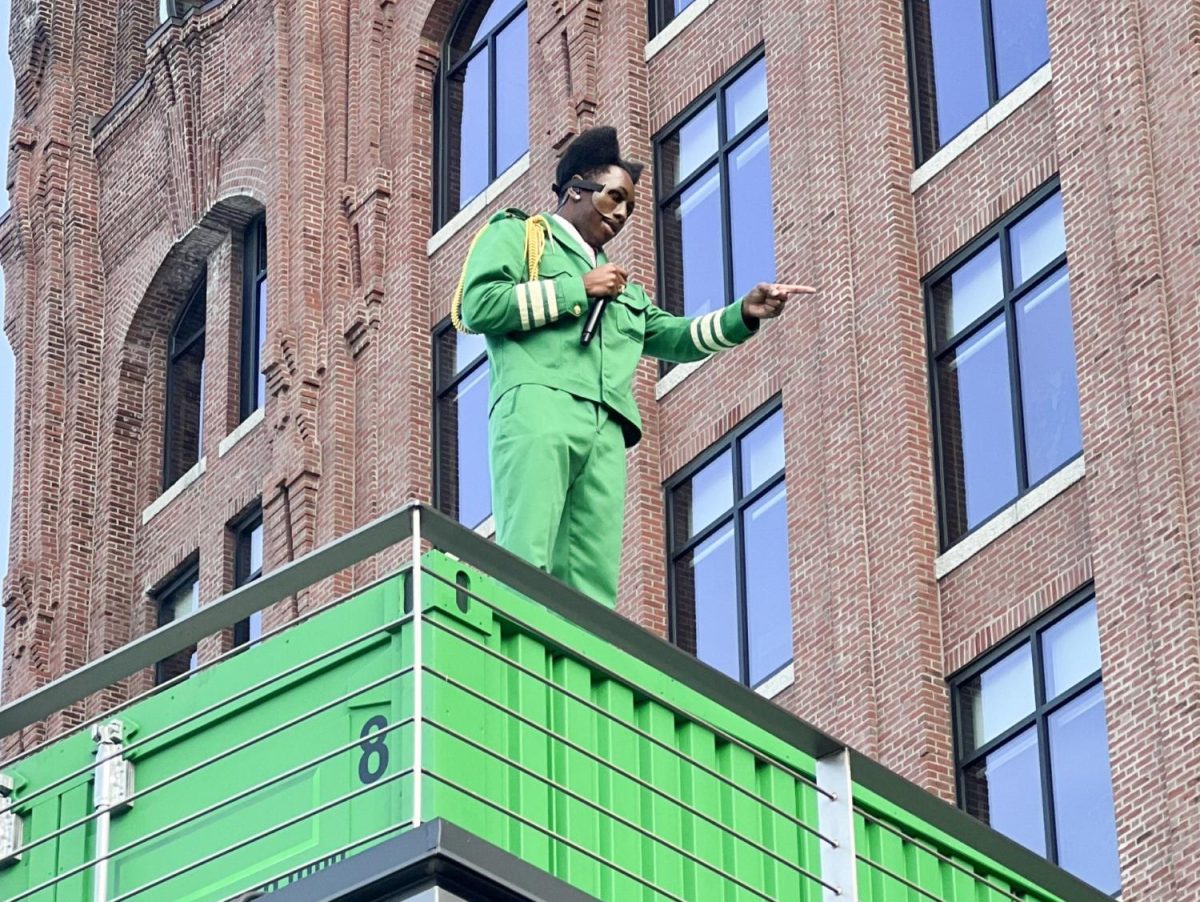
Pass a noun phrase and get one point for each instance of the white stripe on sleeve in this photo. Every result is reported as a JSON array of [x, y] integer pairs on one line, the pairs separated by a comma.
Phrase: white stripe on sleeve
[[523, 306]]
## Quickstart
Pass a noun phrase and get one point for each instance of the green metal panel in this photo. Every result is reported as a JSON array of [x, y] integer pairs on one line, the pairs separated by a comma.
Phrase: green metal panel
[[571, 753]]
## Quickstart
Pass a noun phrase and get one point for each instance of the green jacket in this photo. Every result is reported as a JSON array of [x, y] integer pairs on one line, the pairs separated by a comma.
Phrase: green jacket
[[532, 328]]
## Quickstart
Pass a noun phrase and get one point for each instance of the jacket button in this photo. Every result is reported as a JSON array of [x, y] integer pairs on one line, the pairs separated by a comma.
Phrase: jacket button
[[577, 310]]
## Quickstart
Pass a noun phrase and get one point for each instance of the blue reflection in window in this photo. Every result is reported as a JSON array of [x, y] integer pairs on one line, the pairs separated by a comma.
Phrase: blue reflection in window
[[473, 128], [1049, 393], [1071, 650], [762, 452], [496, 12], [967, 293], [768, 593], [997, 698], [708, 494], [979, 470], [1005, 791], [752, 233], [512, 92], [1082, 789], [1037, 239], [695, 262], [746, 98], [1021, 38], [959, 67], [261, 381], [474, 469], [694, 142], [706, 582]]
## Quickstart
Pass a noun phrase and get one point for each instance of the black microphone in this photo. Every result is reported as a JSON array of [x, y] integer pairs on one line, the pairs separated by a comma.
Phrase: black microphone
[[593, 320]]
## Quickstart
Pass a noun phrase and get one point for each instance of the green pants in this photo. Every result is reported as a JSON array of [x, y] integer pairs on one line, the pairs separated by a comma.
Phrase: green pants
[[558, 485]]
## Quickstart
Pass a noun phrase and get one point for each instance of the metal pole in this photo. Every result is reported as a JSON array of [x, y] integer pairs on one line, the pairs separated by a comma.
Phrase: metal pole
[[418, 666], [112, 785], [835, 814]]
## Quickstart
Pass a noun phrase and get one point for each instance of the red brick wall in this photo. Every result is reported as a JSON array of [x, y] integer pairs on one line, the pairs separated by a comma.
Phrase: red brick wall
[[134, 166]]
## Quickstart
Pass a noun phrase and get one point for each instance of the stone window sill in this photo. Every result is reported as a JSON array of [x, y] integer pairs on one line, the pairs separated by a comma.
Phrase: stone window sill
[[973, 133], [677, 374], [782, 679], [1032, 501], [477, 205], [244, 429], [676, 26], [176, 489]]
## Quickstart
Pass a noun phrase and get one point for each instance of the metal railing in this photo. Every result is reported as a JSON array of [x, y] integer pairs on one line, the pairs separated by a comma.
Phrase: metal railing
[[421, 528]]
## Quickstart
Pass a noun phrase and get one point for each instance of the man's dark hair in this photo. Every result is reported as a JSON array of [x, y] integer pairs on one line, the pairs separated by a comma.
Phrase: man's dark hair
[[593, 151]]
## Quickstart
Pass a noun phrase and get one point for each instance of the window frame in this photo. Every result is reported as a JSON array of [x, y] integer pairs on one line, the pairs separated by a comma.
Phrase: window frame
[[185, 573], [441, 102], [440, 392], [726, 144], [198, 292], [254, 272], [1039, 718], [242, 528], [922, 154], [660, 14], [731, 441], [1005, 307]]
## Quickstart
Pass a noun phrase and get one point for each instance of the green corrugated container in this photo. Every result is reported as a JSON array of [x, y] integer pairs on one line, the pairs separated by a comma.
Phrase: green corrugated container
[[579, 757]]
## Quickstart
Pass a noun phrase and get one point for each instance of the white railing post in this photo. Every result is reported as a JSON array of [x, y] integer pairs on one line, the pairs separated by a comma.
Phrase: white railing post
[[418, 666], [113, 784], [836, 819]]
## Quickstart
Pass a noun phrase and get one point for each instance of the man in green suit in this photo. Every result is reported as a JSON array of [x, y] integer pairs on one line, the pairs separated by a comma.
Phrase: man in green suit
[[561, 404]]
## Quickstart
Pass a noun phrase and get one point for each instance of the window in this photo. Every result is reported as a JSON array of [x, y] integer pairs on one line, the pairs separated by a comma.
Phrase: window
[[254, 317], [1031, 745], [482, 101], [1005, 399], [462, 474], [184, 429], [247, 567], [178, 598], [168, 9], [727, 535], [964, 56], [662, 12], [713, 174]]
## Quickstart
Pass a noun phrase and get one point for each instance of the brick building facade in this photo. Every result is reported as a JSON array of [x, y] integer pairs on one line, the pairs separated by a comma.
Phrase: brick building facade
[[150, 139]]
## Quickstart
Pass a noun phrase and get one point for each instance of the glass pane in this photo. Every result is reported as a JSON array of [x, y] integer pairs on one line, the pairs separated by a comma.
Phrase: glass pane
[[1005, 790], [752, 234], [694, 142], [703, 498], [1049, 393], [261, 384], [952, 78], [681, 5], [1071, 650], [467, 347], [256, 550], [768, 593], [967, 293], [979, 466], [496, 12], [468, 106], [694, 268], [179, 603], [706, 603], [1082, 786], [512, 93], [762, 452], [990, 703], [463, 467], [255, 626], [1022, 40], [185, 409], [1037, 238], [746, 98]]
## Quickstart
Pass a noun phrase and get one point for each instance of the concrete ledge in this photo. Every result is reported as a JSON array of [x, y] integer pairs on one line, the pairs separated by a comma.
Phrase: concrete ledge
[[1037, 497], [244, 429], [477, 205], [774, 685], [675, 26], [487, 528], [973, 133], [174, 490], [678, 373]]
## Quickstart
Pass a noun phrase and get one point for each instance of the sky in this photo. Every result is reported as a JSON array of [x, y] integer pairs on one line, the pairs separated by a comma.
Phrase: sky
[[6, 358]]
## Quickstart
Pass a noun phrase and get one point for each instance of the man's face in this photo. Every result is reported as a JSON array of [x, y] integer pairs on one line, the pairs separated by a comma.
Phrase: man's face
[[599, 215]]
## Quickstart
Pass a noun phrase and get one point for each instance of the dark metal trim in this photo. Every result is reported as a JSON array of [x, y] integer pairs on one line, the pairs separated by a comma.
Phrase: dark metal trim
[[436, 853], [199, 290], [731, 442], [440, 394], [1038, 719], [253, 269], [938, 350]]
